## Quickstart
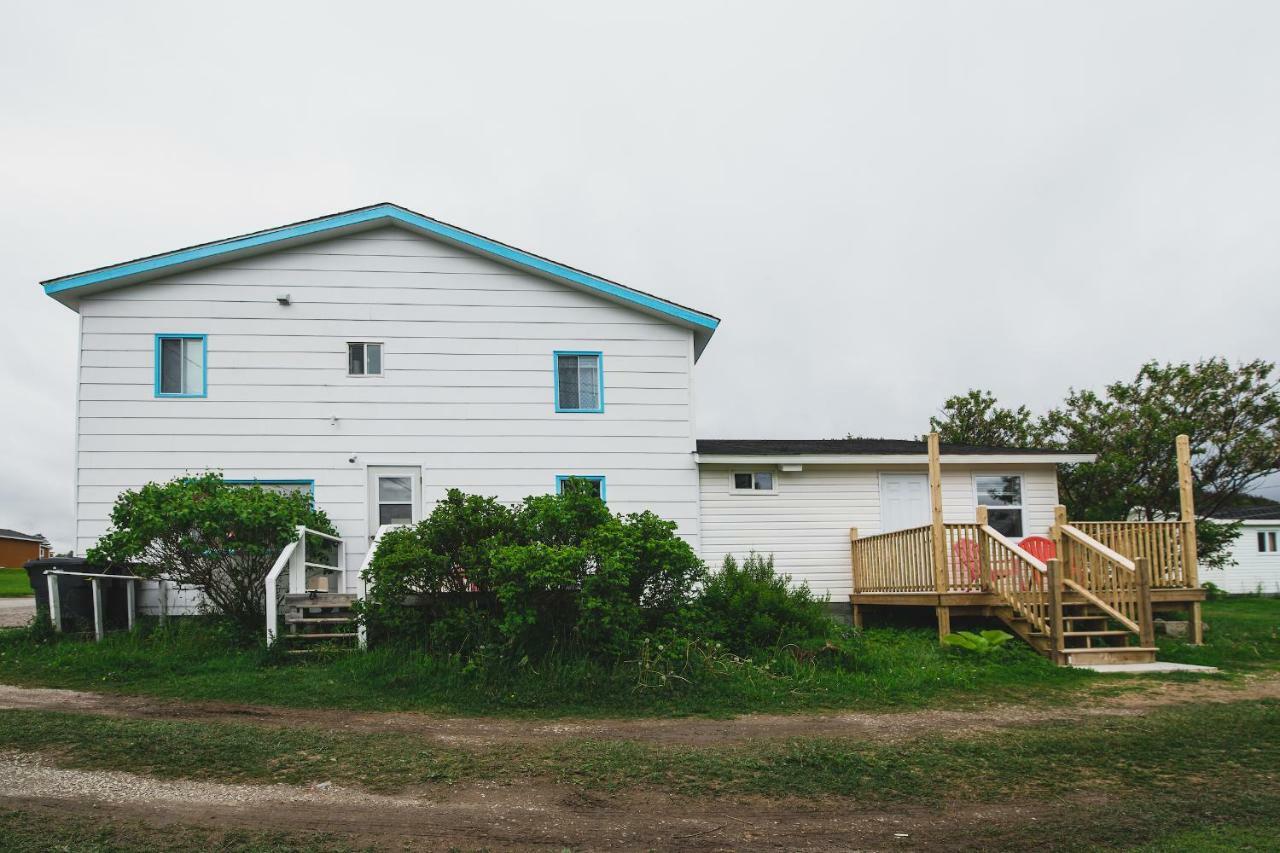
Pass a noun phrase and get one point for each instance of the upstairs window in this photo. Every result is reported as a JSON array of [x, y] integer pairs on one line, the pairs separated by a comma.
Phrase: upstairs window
[[579, 382], [364, 359], [1266, 541], [180, 365], [753, 481], [1002, 495], [594, 481]]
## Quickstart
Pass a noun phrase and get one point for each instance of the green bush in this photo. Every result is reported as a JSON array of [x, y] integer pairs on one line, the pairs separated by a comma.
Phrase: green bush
[[559, 571], [204, 532], [751, 608]]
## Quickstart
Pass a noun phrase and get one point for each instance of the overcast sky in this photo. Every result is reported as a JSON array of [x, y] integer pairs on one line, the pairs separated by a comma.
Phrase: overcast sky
[[887, 203]]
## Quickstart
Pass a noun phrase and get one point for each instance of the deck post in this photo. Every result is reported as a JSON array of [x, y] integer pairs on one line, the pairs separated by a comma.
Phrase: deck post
[[1055, 608], [1055, 533], [1146, 623], [855, 568], [938, 532], [1187, 504], [984, 556], [131, 602]]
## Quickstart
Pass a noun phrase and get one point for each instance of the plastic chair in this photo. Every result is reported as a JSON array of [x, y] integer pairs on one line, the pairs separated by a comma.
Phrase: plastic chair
[[967, 556], [1039, 547]]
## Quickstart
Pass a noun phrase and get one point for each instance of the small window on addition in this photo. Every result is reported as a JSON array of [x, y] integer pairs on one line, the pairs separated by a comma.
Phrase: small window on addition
[[1002, 495], [594, 481], [1266, 541], [753, 481], [364, 359]]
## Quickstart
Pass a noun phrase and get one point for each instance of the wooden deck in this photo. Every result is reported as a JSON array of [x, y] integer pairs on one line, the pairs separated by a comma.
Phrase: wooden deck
[[1093, 601]]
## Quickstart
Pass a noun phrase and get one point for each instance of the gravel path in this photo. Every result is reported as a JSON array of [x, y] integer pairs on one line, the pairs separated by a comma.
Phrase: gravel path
[[16, 612]]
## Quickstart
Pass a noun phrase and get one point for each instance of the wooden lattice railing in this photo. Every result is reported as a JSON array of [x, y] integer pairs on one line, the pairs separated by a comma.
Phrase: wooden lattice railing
[[1019, 579], [1110, 580], [901, 561]]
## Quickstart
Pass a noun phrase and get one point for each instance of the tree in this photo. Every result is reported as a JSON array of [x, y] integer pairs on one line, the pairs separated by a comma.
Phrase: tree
[[1231, 413], [204, 532]]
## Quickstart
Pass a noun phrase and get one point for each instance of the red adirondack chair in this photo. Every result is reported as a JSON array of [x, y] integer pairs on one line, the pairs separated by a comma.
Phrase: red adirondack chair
[[966, 555], [1039, 547]]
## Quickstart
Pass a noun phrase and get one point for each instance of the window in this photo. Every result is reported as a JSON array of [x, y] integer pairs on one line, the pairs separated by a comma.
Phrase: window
[[395, 500], [1266, 541], [596, 481], [282, 486], [579, 382], [364, 359], [753, 481], [180, 365], [1002, 495]]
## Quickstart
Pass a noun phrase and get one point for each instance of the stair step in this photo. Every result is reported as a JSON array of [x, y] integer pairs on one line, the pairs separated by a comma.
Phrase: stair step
[[319, 599], [1107, 633], [302, 619], [1110, 654], [328, 636]]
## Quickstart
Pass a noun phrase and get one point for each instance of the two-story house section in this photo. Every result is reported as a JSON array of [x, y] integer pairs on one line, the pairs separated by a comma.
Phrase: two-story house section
[[376, 358]]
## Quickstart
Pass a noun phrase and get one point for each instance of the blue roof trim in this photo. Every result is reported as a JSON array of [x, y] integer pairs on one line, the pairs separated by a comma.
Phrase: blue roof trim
[[373, 214]]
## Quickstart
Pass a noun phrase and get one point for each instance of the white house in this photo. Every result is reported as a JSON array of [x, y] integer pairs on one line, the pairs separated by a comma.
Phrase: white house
[[1254, 564], [378, 357]]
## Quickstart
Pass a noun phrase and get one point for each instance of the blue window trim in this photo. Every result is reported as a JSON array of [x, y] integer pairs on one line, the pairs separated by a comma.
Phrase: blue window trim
[[384, 212], [555, 374], [204, 362], [273, 481], [597, 478]]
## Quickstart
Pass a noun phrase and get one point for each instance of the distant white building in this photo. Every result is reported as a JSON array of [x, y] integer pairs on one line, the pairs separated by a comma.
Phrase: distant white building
[[1255, 553]]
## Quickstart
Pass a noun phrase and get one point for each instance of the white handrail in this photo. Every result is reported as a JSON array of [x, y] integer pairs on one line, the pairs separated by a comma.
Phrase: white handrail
[[286, 555], [362, 586]]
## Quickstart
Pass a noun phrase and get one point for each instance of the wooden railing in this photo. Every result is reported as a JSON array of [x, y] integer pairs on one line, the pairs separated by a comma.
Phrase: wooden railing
[[1019, 579], [1111, 581], [1161, 543], [901, 561]]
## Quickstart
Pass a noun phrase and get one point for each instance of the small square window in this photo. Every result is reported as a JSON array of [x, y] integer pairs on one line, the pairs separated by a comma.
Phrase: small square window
[[1002, 495], [1266, 541], [364, 359], [753, 481], [180, 365], [579, 382]]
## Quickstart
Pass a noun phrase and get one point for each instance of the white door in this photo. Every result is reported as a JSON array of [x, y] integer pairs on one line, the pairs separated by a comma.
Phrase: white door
[[904, 501], [395, 495]]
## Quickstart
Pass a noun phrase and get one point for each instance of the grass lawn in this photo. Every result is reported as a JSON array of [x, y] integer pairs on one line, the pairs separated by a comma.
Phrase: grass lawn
[[888, 667], [13, 583]]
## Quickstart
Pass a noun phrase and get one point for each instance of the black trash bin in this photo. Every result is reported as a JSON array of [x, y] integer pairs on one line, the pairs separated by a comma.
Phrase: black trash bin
[[76, 594]]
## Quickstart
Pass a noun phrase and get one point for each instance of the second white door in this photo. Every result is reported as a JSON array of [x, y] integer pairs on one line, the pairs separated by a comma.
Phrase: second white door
[[904, 501]]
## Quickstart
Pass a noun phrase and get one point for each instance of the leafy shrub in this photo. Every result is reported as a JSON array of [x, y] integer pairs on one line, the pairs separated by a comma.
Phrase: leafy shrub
[[557, 571], [204, 532], [982, 643], [750, 608]]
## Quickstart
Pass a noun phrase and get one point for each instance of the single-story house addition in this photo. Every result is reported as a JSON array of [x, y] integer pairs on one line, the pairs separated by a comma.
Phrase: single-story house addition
[[1254, 564], [378, 357]]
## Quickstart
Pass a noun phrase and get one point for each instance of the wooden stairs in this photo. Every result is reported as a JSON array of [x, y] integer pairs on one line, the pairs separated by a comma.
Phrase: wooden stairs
[[318, 620], [1089, 636]]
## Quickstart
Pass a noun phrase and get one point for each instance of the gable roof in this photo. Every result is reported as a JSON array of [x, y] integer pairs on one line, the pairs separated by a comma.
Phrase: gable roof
[[840, 449], [13, 534], [68, 288]]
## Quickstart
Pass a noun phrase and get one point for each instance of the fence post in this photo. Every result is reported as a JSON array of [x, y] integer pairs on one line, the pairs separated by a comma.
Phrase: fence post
[[55, 601], [1055, 608], [1146, 623], [1187, 503], [938, 533], [99, 629], [984, 555], [131, 600]]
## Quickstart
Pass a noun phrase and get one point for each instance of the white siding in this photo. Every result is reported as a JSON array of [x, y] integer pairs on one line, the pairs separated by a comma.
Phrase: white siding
[[805, 525], [467, 392], [1254, 571]]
